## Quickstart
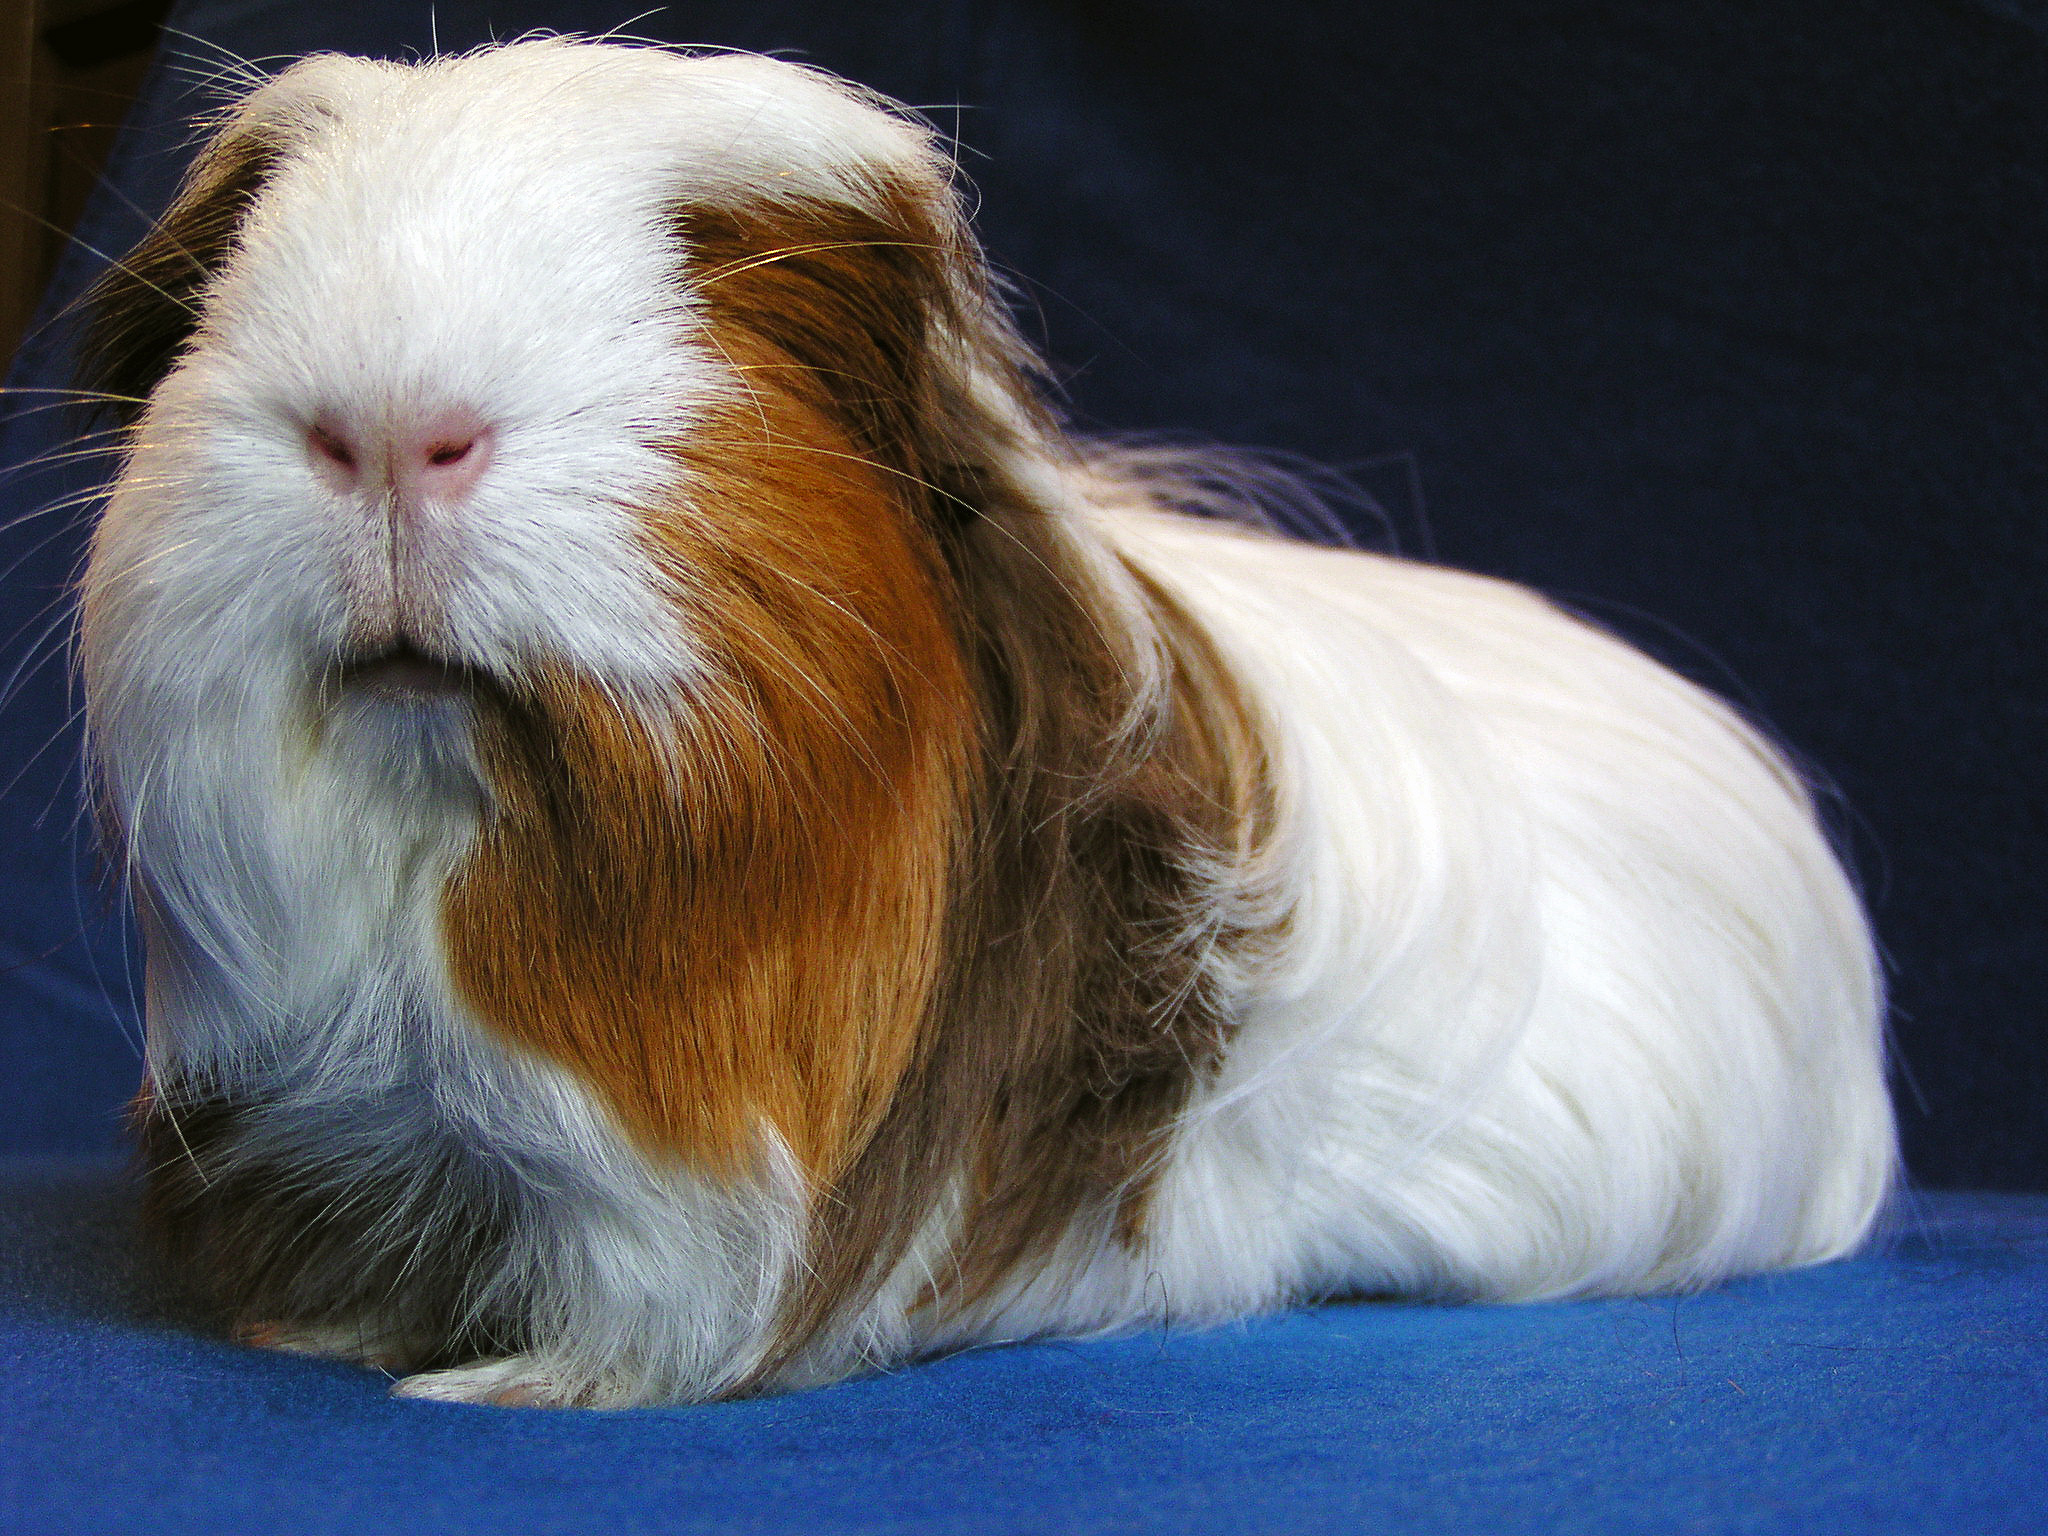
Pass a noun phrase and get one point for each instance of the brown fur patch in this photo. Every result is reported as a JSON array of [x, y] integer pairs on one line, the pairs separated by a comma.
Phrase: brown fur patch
[[1109, 873], [144, 308], [262, 1226], [1109, 836], [736, 912]]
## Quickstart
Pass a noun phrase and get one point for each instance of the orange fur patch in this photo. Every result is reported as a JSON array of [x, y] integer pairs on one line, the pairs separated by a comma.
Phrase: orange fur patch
[[735, 912]]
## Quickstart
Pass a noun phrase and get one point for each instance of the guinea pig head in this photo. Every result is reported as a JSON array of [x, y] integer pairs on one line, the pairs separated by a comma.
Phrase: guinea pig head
[[543, 458]]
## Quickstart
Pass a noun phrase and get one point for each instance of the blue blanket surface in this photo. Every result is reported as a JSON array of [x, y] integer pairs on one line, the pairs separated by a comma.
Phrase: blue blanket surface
[[1899, 1392]]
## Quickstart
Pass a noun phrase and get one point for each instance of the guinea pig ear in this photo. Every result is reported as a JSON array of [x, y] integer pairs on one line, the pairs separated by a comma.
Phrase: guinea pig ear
[[879, 311], [143, 309]]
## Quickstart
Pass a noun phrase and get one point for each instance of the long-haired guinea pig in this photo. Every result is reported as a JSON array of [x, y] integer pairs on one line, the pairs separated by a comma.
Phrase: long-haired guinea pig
[[691, 841]]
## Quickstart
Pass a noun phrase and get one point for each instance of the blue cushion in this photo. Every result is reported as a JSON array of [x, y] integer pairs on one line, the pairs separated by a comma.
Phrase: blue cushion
[[1902, 1392]]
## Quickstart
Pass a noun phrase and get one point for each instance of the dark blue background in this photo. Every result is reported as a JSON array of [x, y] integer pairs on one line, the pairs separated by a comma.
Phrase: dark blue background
[[1723, 322]]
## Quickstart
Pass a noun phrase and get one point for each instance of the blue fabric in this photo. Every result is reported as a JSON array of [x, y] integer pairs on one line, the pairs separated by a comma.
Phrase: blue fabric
[[1902, 1393]]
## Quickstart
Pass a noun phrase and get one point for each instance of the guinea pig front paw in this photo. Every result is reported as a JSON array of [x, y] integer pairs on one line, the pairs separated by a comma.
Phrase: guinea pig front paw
[[514, 1381]]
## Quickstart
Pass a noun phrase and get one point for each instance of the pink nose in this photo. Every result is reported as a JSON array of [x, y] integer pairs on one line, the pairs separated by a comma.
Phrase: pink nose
[[437, 459]]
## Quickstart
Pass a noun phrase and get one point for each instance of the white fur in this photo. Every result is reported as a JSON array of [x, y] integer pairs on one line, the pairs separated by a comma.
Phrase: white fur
[[1572, 996]]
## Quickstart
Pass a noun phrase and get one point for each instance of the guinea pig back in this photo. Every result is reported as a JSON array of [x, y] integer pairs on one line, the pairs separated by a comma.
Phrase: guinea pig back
[[691, 840]]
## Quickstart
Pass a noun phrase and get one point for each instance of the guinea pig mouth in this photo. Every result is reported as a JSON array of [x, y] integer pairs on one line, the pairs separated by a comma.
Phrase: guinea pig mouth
[[404, 671]]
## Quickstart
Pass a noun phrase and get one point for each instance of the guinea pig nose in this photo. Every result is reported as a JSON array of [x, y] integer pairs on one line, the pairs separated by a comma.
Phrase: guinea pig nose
[[335, 453], [440, 460]]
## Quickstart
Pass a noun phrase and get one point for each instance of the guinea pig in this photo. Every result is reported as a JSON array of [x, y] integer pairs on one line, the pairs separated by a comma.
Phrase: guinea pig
[[692, 840]]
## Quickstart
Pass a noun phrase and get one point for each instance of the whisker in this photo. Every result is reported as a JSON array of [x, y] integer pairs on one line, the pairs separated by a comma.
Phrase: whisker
[[41, 544], [249, 71], [92, 250], [69, 393], [62, 733], [51, 458], [22, 668]]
